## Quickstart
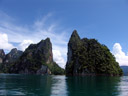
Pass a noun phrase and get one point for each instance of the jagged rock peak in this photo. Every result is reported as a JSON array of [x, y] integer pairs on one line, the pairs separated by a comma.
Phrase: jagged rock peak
[[12, 56], [46, 47], [44, 42], [47, 39], [14, 51], [2, 54], [74, 36], [74, 33]]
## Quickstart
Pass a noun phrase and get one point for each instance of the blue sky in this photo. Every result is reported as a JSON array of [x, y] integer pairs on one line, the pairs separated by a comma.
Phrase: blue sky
[[28, 21]]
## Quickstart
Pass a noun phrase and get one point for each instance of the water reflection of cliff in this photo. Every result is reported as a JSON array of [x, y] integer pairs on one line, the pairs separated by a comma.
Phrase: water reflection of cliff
[[93, 86], [31, 85], [123, 86], [59, 87]]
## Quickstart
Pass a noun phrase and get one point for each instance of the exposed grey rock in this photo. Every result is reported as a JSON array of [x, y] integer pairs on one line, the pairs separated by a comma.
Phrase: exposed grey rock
[[43, 70], [72, 45]]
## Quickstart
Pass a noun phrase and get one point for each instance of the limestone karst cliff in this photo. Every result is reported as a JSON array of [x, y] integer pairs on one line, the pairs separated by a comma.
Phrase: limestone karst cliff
[[2, 55], [89, 57], [36, 59]]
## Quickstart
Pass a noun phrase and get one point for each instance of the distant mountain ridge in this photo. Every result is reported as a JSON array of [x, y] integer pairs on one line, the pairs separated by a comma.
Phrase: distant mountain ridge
[[13, 55], [125, 70], [9, 58]]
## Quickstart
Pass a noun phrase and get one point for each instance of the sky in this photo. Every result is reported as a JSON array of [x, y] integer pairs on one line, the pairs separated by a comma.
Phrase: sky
[[23, 22]]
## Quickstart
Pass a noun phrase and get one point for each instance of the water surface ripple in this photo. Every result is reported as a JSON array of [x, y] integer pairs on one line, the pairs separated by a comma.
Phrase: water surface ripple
[[37, 85]]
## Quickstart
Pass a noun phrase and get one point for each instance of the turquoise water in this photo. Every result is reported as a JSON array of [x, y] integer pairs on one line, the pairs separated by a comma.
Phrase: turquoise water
[[36, 85]]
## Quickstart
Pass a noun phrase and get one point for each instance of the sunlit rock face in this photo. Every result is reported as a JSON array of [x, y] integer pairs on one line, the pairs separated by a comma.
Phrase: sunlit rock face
[[89, 57]]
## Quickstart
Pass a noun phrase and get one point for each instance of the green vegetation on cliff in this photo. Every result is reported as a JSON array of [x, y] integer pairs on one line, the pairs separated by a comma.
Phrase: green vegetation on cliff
[[37, 59], [55, 69], [88, 56]]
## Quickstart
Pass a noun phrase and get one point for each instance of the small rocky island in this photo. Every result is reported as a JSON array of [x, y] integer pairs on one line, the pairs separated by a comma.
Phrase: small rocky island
[[89, 57], [36, 59]]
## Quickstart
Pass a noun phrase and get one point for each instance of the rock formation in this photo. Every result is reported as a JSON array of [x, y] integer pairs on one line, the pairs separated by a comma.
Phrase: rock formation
[[9, 59], [2, 55], [89, 57], [37, 59], [12, 56]]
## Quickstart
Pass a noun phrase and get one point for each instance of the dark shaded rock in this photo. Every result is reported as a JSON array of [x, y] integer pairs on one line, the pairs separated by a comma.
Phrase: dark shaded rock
[[9, 59], [43, 70], [89, 57], [72, 45], [2, 55], [12, 56]]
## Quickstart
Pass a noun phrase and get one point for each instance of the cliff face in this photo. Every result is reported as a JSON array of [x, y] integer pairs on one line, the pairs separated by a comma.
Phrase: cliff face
[[2, 55], [89, 57], [37, 59]]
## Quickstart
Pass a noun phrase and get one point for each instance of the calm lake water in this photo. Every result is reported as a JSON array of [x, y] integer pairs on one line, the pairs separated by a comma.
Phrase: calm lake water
[[36, 85]]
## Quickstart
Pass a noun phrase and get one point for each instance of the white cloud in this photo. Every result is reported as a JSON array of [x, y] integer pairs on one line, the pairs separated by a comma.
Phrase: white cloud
[[121, 57], [23, 45], [40, 29], [58, 58], [4, 44]]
